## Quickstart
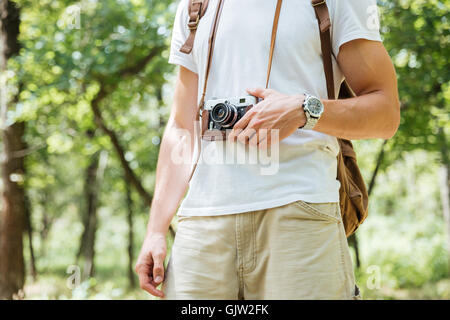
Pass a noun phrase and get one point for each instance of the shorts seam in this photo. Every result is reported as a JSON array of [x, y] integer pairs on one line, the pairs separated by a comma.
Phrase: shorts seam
[[238, 258], [253, 245], [341, 234], [254, 242]]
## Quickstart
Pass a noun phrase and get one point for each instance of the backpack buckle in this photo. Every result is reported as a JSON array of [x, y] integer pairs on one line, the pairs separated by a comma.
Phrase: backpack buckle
[[192, 25]]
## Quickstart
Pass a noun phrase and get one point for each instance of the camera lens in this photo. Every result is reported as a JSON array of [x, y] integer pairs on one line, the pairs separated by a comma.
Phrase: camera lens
[[224, 114]]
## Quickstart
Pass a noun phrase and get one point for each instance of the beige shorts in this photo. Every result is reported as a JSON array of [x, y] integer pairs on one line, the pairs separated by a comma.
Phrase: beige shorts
[[297, 251]]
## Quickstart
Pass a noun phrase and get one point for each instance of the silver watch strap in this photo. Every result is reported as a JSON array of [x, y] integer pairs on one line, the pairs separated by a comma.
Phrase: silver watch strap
[[310, 122]]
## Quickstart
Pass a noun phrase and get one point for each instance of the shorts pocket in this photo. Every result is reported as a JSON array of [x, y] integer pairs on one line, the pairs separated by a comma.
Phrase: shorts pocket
[[327, 211]]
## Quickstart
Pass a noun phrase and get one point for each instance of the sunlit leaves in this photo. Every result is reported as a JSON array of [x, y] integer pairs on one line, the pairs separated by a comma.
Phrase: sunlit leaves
[[416, 34], [59, 143]]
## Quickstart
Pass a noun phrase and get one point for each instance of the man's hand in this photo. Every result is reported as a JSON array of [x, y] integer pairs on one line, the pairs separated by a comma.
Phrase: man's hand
[[277, 111], [150, 264]]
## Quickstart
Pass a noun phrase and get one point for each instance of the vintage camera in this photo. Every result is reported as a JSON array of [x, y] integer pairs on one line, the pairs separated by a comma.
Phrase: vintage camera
[[222, 114]]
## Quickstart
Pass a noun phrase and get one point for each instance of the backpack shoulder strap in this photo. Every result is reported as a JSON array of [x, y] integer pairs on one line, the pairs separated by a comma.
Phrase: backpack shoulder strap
[[197, 9], [323, 18]]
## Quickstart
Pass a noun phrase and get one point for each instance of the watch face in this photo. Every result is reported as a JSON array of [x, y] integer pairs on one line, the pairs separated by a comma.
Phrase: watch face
[[315, 107]]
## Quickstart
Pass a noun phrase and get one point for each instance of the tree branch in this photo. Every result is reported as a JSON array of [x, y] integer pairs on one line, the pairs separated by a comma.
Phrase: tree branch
[[99, 120], [132, 70], [98, 117], [377, 167]]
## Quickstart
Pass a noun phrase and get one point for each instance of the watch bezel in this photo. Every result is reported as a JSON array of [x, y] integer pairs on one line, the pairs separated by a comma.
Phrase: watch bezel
[[308, 103]]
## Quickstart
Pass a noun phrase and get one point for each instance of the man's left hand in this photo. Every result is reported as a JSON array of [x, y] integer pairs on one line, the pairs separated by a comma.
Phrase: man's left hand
[[276, 111]]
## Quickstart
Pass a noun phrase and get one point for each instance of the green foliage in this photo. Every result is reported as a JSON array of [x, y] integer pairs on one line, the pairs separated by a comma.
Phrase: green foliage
[[404, 236], [70, 49], [417, 35]]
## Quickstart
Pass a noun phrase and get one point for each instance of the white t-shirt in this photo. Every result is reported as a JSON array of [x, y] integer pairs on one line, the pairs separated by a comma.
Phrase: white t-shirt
[[306, 164]]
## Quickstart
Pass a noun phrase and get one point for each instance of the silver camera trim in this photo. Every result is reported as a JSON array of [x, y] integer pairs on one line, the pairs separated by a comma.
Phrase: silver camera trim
[[249, 100]]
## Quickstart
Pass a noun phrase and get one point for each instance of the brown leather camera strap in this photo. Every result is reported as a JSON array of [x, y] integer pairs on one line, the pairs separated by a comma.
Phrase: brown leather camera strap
[[211, 47], [272, 39], [211, 42], [196, 10], [323, 18]]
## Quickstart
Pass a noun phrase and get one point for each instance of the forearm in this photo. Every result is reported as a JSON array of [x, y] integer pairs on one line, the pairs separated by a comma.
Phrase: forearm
[[172, 176], [371, 115]]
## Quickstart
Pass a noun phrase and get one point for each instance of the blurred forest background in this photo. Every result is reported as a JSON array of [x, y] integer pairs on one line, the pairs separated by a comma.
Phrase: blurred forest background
[[85, 94]]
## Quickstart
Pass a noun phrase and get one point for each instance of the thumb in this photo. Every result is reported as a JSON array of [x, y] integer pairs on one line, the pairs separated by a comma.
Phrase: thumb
[[258, 92], [158, 267]]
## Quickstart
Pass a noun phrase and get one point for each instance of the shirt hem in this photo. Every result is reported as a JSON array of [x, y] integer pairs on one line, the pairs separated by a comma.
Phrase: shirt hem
[[217, 211], [375, 36]]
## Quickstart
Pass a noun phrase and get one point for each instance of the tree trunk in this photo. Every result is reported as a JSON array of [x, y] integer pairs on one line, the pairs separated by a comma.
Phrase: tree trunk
[[444, 182], [12, 217], [94, 177], [444, 176], [29, 227], [46, 223], [87, 244], [377, 168], [12, 269], [131, 276], [353, 240]]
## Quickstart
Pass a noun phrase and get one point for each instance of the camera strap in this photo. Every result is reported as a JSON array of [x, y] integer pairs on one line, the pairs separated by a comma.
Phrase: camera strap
[[211, 41], [272, 39]]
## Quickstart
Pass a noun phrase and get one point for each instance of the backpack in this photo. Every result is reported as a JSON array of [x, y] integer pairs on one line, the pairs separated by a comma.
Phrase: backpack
[[353, 196]]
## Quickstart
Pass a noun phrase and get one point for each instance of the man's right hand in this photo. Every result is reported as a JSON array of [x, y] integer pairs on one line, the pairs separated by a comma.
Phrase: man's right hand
[[150, 263]]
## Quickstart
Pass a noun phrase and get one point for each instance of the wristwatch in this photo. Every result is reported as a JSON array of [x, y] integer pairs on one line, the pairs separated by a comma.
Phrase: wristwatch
[[313, 108]]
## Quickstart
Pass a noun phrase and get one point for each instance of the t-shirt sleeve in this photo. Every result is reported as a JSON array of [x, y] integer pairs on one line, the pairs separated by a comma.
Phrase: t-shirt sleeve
[[180, 33], [353, 19]]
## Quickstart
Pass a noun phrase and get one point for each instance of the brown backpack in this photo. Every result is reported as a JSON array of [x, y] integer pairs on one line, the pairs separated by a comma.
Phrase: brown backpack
[[354, 199], [353, 194]]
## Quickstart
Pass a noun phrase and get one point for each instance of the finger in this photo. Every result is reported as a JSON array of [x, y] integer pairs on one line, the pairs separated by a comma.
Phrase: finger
[[266, 139], [254, 140], [144, 268], [234, 133], [261, 92], [246, 135], [264, 143], [262, 135], [158, 266], [152, 290], [257, 92], [146, 281]]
